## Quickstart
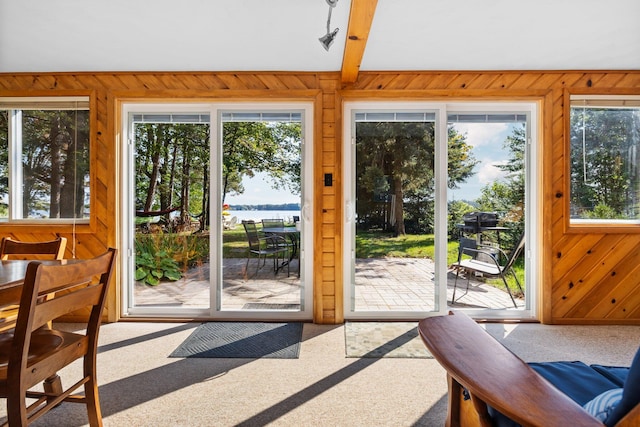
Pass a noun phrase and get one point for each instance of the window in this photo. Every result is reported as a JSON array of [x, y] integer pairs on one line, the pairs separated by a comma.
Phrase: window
[[44, 158], [605, 139]]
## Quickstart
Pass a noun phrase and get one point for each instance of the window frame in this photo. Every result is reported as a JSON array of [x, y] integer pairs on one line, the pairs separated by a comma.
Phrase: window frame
[[598, 225], [46, 101]]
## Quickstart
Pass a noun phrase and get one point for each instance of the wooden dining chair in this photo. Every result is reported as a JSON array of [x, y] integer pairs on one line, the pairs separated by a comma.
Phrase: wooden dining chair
[[33, 353], [15, 249]]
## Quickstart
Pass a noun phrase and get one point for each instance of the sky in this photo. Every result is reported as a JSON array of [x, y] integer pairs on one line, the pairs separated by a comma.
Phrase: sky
[[258, 191], [486, 139]]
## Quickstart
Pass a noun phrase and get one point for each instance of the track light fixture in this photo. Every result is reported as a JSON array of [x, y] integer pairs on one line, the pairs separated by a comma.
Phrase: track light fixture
[[327, 40]]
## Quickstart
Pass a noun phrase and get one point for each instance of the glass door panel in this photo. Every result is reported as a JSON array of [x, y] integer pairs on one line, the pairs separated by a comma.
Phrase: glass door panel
[[488, 207], [189, 256], [261, 220], [392, 222], [170, 187], [422, 176]]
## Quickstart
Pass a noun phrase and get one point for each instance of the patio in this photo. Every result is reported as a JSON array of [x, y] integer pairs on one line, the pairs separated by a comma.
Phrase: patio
[[383, 284]]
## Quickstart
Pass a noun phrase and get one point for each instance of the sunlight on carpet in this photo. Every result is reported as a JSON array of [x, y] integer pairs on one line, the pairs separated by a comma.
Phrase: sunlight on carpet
[[384, 339]]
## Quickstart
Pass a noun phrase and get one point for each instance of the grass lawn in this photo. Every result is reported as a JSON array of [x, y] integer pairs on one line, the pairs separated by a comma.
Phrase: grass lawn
[[234, 243], [379, 245]]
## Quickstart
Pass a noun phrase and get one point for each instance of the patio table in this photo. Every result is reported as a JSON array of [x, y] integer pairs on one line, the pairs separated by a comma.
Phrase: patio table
[[292, 233]]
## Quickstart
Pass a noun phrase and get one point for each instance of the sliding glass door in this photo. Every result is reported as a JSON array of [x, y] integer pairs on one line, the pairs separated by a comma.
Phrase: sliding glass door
[[265, 270], [391, 225], [421, 177], [199, 178]]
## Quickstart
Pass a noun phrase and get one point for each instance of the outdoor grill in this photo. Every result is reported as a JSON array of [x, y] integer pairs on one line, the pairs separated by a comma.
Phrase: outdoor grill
[[477, 222]]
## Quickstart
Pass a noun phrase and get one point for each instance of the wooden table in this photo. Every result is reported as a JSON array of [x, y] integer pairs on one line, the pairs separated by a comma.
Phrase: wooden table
[[12, 274]]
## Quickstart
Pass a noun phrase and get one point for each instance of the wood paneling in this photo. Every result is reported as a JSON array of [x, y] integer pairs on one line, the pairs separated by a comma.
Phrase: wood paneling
[[588, 276]]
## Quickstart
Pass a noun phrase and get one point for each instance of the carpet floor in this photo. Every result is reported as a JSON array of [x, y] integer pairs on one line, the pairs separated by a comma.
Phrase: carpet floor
[[141, 386]]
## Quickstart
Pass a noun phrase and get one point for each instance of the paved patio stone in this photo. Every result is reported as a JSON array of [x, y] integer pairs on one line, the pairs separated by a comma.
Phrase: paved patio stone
[[382, 284]]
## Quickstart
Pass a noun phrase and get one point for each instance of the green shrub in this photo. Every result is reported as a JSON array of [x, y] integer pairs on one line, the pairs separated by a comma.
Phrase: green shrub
[[151, 268], [167, 256], [603, 211]]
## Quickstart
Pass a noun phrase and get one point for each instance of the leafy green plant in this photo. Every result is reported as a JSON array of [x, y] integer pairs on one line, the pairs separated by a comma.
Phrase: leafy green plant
[[166, 256], [153, 267]]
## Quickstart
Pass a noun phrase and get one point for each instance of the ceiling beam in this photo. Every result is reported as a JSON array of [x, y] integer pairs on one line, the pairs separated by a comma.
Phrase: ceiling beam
[[360, 19]]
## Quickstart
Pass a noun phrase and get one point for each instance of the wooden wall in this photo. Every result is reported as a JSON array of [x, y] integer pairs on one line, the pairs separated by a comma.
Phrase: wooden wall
[[588, 275]]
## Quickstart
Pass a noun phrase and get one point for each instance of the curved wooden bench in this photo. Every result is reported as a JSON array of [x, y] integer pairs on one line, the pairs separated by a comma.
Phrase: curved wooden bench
[[492, 375]]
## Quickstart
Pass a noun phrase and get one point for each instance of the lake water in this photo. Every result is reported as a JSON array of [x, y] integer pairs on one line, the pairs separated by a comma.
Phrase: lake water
[[257, 216]]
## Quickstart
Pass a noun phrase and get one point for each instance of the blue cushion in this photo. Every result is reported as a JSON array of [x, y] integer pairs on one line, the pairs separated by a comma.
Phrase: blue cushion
[[617, 374], [575, 379], [602, 405], [630, 395], [584, 383], [500, 420]]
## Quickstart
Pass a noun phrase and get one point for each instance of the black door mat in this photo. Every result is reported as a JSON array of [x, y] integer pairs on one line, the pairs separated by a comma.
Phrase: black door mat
[[250, 340]]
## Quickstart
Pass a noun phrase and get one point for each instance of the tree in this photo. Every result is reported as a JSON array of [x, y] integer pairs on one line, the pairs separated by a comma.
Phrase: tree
[[603, 150], [253, 147], [508, 195], [460, 162], [55, 162], [172, 163], [395, 167], [75, 168], [4, 163]]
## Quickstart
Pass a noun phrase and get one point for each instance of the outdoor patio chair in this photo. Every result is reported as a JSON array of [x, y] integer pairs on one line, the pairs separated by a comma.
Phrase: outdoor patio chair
[[475, 259], [262, 246], [34, 353], [230, 224]]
